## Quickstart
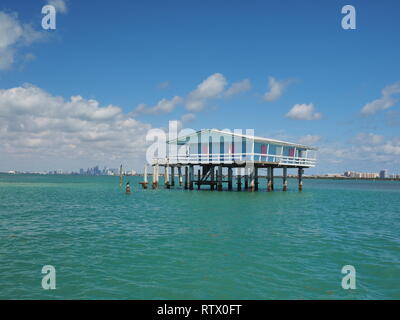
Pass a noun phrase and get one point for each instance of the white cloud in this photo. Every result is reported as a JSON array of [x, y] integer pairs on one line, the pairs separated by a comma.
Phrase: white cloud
[[334, 154], [163, 106], [374, 150], [377, 105], [34, 123], [238, 87], [276, 89], [386, 101], [13, 35], [303, 112], [29, 57], [392, 147], [368, 139], [309, 139], [163, 85], [188, 117], [210, 88], [60, 5]]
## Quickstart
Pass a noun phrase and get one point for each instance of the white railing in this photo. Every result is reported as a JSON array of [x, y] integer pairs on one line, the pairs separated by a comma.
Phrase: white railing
[[229, 158]]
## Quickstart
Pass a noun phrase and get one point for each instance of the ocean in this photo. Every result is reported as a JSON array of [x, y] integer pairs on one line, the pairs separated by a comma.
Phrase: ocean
[[182, 244]]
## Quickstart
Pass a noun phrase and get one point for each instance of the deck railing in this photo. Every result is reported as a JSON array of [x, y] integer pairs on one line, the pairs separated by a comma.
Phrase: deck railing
[[229, 158]]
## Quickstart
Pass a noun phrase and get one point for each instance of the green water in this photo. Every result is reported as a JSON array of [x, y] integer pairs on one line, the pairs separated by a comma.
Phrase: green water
[[178, 244]]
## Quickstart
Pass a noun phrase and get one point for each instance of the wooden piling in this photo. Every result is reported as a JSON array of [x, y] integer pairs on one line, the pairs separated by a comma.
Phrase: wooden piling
[[144, 183], [191, 177], [246, 179], [180, 175], [300, 176], [198, 179], [255, 178], [251, 178], [212, 177], [186, 177], [272, 178], [172, 176], [229, 178], [219, 178], [166, 176], [155, 176], [269, 179], [284, 178], [239, 179]]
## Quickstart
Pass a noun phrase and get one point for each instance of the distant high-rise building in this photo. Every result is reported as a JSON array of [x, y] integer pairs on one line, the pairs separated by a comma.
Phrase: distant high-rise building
[[361, 175], [383, 174]]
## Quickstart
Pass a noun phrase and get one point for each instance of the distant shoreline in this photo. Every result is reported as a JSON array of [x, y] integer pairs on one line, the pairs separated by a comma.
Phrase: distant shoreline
[[149, 175], [348, 178]]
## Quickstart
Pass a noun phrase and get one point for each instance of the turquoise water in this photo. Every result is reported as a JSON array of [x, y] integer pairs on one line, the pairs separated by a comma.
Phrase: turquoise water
[[178, 244]]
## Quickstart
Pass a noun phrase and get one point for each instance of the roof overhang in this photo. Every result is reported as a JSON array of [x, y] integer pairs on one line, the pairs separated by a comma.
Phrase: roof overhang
[[182, 140]]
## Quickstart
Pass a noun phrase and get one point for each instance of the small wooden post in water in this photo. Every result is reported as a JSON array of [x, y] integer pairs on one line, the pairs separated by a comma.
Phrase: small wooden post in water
[[144, 183], [284, 177], [155, 176]]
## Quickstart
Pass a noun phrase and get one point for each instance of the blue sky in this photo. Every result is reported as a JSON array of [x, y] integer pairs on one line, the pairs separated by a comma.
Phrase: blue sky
[[132, 53]]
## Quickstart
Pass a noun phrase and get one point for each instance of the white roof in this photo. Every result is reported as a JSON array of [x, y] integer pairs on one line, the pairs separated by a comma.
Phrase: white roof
[[255, 138]]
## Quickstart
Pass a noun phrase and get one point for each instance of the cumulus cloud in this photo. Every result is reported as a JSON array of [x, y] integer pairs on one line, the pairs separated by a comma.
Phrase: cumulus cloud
[[60, 5], [275, 89], [309, 139], [368, 147], [163, 106], [303, 112], [36, 123], [368, 139], [14, 35], [188, 117], [334, 154], [386, 101], [374, 145], [164, 85], [210, 88], [238, 87]]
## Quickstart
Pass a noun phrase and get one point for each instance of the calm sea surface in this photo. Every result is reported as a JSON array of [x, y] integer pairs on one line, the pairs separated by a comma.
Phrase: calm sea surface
[[178, 244]]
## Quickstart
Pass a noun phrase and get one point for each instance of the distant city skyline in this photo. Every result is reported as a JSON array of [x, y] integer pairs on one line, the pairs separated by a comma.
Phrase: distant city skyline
[[96, 171], [92, 171], [89, 91]]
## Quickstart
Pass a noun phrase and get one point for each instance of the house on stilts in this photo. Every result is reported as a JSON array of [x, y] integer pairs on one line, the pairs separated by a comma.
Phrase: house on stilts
[[225, 157]]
